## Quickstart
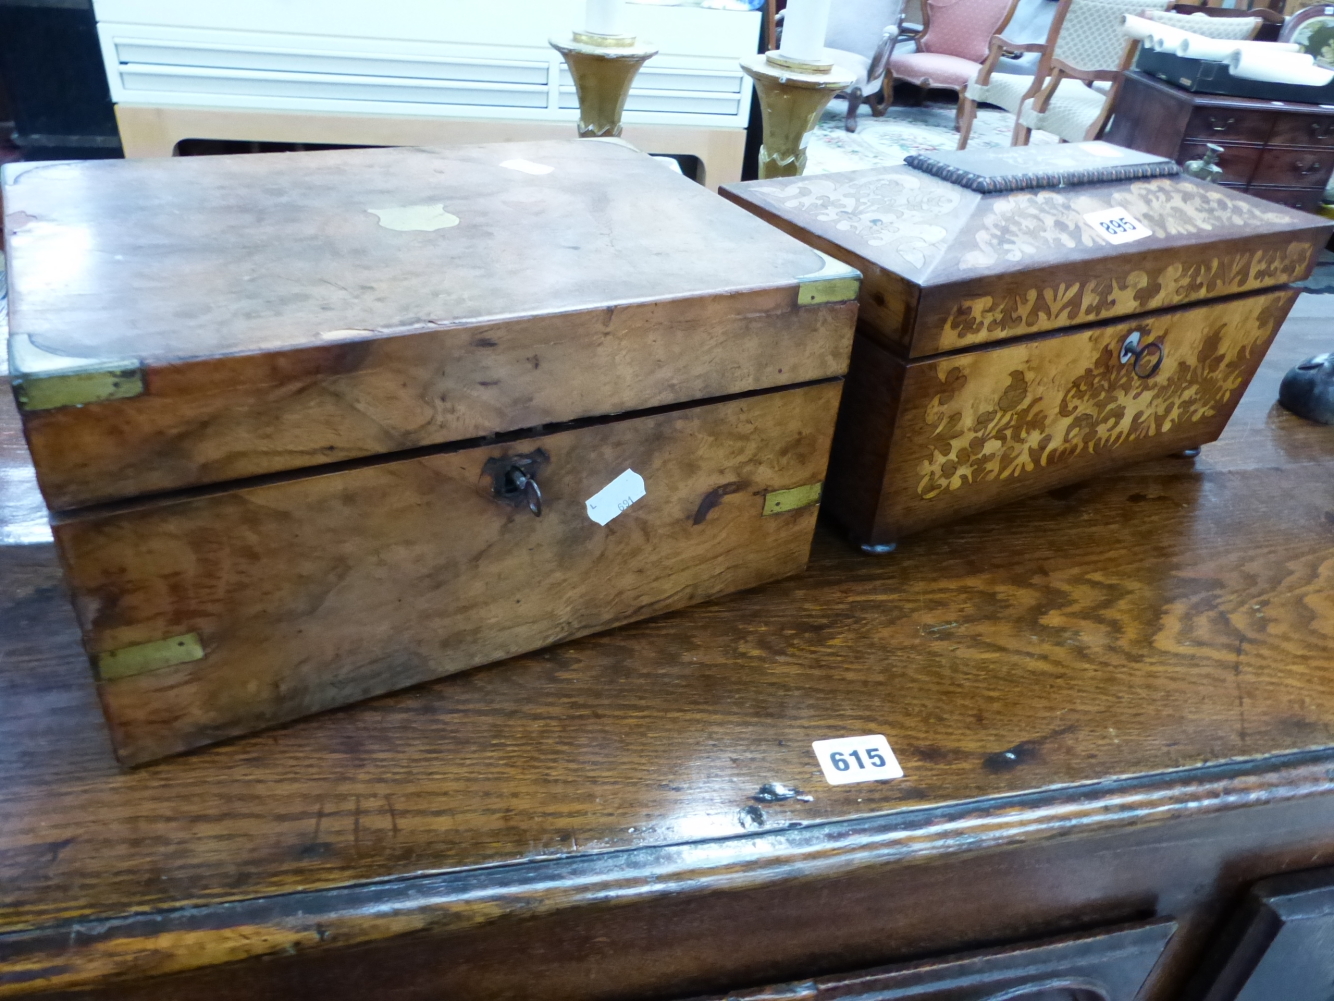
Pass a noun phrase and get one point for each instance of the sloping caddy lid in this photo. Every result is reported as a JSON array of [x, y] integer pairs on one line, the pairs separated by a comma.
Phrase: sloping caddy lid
[[940, 246], [185, 321], [933, 231]]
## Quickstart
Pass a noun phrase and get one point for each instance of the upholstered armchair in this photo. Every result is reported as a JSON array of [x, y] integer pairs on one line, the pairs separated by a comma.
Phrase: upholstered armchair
[[1072, 92], [952, 44], [861, 38]]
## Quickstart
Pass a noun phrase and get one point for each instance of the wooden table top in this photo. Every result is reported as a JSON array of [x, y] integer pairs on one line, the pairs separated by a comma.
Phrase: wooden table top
[[1152, 643]]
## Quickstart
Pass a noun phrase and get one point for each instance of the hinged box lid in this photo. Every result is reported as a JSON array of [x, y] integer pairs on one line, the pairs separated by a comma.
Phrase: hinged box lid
[[198, 320], [946, 267]]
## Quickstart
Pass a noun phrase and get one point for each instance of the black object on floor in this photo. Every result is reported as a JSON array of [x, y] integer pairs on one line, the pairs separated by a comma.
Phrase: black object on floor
[[1308, 389]]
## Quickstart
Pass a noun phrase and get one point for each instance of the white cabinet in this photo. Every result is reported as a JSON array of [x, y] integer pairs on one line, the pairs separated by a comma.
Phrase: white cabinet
[[456, 58]]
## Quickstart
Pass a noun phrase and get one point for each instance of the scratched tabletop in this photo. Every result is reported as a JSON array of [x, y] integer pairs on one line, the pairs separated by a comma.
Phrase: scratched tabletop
[[1171, 616]]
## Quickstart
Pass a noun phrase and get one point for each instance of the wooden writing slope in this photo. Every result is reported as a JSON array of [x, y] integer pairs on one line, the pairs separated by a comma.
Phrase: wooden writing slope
[[1112, 705], [319, 426]]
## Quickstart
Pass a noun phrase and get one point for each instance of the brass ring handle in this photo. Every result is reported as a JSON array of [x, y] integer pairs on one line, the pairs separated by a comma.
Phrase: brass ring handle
[[514, 479], [1321, 132], [1213, 124], [1144, 360], [1309, 168]]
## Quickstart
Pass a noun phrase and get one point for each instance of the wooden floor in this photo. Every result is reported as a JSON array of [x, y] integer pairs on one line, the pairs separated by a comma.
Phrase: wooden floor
[[1175, 615]]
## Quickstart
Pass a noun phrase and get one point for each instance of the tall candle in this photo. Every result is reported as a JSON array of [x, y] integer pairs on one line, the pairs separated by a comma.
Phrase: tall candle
[[605, 17], [804, 27]]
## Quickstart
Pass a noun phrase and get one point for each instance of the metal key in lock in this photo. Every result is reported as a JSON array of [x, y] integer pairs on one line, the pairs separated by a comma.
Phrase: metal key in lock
[[514, 479], [1144, 361]]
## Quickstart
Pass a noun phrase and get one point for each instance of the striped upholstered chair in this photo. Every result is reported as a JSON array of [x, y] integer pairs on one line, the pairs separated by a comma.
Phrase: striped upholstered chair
[[1075, 84]]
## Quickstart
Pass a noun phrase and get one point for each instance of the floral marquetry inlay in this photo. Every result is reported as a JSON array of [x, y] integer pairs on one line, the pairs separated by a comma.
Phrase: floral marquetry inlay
[[986, 318], [1035, 224], [1000, 414], [900, 212], [1027, 223]]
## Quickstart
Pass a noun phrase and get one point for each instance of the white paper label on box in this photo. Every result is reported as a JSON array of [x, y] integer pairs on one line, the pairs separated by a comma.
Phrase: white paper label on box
[[1117, 225], [856, 759], [615, 497], [528, 167]]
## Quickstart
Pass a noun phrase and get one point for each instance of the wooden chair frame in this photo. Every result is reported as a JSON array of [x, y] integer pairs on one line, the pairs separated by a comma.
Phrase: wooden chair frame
[[999, 46], [1270, 20], [879, 65], [1291, 25], [881, 101], [1059, 71], [1043, 87]]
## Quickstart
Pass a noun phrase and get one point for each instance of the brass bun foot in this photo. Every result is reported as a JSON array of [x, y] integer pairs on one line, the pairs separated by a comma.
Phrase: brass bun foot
[[603, 67], [792, 96]]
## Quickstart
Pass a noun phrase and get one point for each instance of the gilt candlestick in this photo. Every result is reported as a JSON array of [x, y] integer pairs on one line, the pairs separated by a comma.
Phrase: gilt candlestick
[[603, 67], [792, 94]]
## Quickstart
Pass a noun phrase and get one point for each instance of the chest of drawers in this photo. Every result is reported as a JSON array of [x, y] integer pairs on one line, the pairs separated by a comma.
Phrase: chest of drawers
[[1281, 151]]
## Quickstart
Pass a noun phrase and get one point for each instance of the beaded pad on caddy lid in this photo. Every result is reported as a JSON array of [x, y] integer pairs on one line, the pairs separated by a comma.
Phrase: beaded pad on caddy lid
[[1025, 167]]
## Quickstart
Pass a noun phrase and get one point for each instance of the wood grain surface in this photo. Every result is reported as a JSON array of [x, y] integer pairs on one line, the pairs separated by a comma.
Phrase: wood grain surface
[[320, 590], [222, 419], [170, 259], [277, 323], [973, 430], [1141, 653]]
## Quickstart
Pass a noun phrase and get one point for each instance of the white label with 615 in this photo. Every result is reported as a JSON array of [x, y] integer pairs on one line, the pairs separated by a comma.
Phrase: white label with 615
[[856, 759]]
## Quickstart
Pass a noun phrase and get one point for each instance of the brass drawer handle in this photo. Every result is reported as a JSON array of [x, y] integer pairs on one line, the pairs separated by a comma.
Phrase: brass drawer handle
[[1310, 167], [1321, 132], [514, 479], [1213, 124], [1144, 361]]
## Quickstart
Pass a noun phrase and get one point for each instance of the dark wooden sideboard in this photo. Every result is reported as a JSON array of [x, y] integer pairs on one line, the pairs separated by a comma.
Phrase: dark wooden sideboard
[[1281, 151], [1113, 705]]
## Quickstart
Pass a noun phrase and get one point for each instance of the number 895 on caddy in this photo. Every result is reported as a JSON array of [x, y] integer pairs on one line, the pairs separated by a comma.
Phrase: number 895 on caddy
[[1117, 225], [856, 759]]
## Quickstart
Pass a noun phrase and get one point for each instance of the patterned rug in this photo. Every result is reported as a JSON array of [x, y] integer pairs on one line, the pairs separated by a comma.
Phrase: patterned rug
[[881, 142]]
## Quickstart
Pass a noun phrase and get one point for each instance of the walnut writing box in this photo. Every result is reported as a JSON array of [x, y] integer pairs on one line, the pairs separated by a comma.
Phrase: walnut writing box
[[1039, 330], [315, 426]]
